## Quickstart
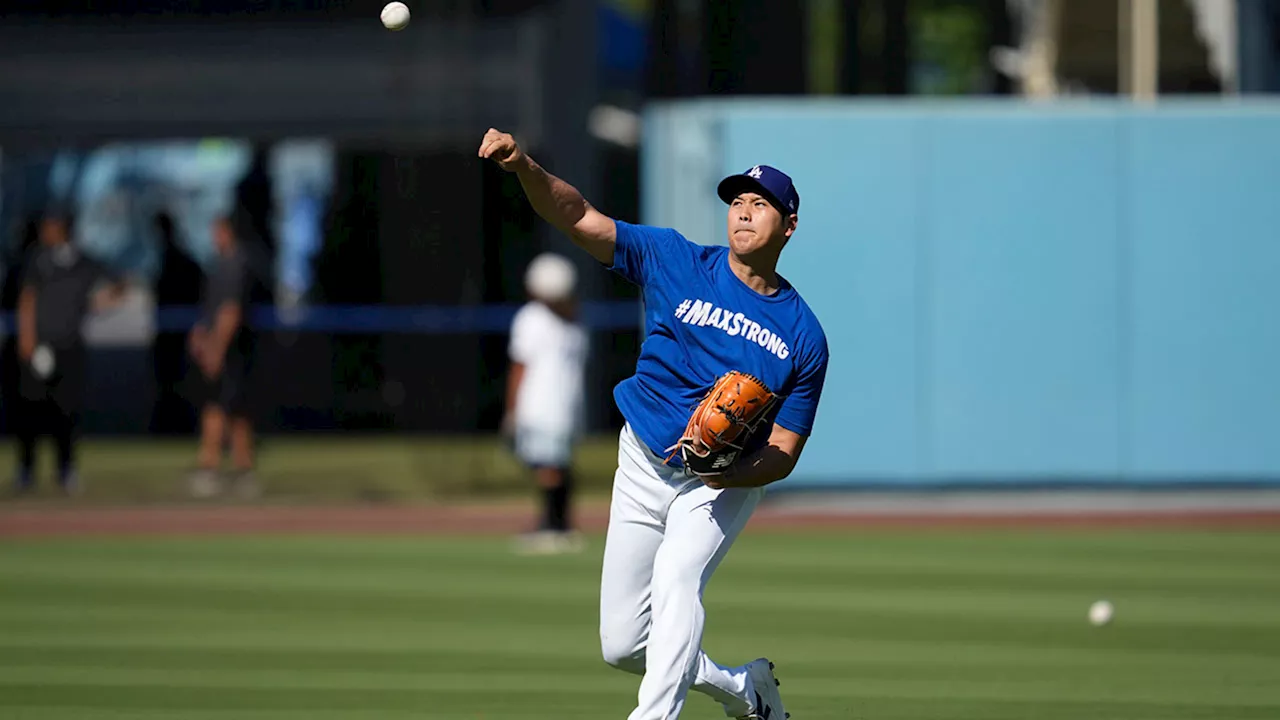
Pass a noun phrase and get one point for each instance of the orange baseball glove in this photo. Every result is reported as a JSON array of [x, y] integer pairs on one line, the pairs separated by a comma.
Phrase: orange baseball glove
[[722, 423]]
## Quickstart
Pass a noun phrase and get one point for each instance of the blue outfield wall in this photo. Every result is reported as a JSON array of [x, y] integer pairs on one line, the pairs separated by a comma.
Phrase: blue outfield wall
[[1076, 293]]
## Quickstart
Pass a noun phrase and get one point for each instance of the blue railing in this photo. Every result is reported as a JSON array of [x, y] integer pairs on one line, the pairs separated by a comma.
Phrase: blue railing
[[408, 319]]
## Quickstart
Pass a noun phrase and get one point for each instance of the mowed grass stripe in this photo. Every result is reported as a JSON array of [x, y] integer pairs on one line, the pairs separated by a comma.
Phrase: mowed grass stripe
[[62, 712], [960, 574], [433, 703], [1242, 549], [1232, 682], [518, 621], [1248, 598], [531, 680], [196, 703], [430, 658], [807, 572], [324, 653], [697, 708], [855, 614], [1011, 554], [838, 611], [1245, 548]]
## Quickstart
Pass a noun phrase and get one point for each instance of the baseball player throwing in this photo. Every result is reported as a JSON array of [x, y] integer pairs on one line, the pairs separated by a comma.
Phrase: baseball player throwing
[[723, 398]]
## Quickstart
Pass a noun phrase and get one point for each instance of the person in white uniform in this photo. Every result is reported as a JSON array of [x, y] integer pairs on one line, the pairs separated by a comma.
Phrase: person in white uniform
[[544, 418]]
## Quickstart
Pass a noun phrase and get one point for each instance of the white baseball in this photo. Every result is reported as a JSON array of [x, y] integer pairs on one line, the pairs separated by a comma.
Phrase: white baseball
[[1100, 612], [395, 15]]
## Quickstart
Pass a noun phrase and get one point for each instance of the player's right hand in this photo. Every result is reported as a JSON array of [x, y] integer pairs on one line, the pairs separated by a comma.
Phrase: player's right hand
[[501, 148]]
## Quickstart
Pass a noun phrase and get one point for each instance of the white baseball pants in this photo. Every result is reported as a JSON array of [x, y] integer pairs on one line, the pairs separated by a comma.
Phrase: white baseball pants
[[667, 534]]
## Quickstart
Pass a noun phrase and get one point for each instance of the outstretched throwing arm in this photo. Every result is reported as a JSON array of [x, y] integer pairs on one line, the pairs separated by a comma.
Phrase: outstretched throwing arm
[[555, 200]]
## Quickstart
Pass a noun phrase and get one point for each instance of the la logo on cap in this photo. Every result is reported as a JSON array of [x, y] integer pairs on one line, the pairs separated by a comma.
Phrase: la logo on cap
[[755, 172]]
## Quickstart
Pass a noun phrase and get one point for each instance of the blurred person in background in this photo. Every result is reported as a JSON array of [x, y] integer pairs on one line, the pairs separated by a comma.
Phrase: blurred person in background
[[221, 344], [60, 286], [16, 252], [548, 350]]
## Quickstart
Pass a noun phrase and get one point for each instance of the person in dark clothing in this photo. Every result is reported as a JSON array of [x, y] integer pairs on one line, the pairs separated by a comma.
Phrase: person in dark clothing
[[10, 372], [59, 288], [222, 345]]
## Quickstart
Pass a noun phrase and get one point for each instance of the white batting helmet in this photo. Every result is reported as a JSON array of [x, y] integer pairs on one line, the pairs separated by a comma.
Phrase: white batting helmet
[[551, 277]]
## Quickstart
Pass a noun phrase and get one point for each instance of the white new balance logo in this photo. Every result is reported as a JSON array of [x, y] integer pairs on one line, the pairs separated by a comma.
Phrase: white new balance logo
[[734, 324]]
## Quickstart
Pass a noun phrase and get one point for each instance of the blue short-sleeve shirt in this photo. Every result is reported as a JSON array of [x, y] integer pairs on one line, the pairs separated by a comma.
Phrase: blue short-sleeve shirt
[[701, 321]]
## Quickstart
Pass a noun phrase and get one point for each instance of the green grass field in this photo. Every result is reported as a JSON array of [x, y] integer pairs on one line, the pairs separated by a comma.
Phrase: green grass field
[[864, 625], [322, 468]]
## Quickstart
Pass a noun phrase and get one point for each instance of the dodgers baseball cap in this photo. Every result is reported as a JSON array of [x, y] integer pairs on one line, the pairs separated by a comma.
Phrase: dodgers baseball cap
[[772, 183]]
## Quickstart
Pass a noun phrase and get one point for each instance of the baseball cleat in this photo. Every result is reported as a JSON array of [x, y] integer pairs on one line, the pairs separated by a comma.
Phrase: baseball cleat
[[768, 700]]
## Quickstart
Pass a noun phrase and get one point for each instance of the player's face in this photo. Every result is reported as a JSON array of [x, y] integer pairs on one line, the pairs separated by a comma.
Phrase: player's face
[[755, 224]]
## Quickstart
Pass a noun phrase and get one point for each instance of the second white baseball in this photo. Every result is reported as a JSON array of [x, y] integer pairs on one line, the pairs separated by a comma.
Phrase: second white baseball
[[1100, 612]]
